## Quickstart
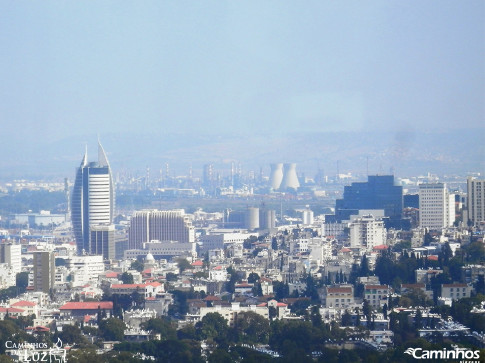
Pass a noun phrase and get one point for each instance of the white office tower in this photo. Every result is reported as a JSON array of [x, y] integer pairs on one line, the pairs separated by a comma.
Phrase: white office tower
[[252, 218], [475, 202], [93, 198], [276, 175], [168, 225], [367, 232], [436, 206], [290, 179]]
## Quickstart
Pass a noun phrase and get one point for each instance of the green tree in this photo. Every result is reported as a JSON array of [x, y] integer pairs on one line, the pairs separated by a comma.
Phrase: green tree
[[127, 278], [72, 334], [211, 326], [346, 319], [162, 327], [137, 265], [112, 329], [252, 328], [253, 277], [22, 280], [183, 265]]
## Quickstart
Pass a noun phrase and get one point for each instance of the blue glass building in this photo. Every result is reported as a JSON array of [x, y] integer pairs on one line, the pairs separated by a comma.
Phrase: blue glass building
[[379, 192]]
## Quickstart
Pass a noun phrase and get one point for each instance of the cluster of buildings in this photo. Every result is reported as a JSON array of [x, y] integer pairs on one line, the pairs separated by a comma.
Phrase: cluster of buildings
[[66, 280]]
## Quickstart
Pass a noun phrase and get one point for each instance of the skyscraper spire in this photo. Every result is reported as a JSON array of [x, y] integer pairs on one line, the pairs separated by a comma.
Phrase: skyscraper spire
[[84, 161], [102, 159]]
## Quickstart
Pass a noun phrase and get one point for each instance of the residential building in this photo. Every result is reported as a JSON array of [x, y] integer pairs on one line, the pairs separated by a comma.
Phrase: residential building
[[436, 206], [455, 291], [367, 232], [44, 271], [11, 254], [475, 200], [376, 295], [339, 296]]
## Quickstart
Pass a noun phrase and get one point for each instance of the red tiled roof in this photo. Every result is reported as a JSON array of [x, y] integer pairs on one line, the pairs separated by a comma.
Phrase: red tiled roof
[[24, 303], [345, 250], [217, 268], [15, 310], [339, 289], [212, 298], [197, 263], [127, 286], [87, 305], [376, 287], [154, 283], [381, 247], [455, 285], [413, 286], [111, 274], [432, 258], [262, 305]]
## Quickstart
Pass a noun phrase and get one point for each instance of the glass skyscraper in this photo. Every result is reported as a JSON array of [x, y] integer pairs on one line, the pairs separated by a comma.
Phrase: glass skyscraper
[[379, 192], [93, 199]]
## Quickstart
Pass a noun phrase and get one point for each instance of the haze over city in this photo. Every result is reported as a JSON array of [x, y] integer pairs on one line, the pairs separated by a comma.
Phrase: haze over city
[[185, 72]]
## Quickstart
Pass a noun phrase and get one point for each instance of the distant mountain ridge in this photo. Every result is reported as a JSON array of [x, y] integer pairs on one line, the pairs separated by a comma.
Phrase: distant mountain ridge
[[405, 153]]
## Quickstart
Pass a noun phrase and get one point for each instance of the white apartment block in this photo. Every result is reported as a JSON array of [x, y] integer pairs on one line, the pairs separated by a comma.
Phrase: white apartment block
[[475, 200], [219, 240], [84, 269], [367, 232], [11, 254], [436, 206]]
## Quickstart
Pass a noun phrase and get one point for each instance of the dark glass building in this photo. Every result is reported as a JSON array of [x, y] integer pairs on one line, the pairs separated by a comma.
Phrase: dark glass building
[[379, 192]]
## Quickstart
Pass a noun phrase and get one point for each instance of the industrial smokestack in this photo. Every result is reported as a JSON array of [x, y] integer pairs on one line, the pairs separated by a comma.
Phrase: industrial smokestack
[[290, 179]]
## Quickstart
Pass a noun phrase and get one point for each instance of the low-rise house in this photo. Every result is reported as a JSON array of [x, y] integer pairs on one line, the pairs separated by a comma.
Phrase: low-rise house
[[149, 289], [339, 296], [376, 295], [455, 291], [79, 309]]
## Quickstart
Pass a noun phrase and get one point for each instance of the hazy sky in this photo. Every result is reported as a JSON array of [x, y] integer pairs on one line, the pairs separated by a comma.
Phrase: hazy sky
[[71, 67]]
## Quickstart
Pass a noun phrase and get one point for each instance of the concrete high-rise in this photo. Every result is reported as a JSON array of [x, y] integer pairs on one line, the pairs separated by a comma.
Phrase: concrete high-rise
[[103, 241], [436, 206], [475, 201], [44, 271], [148, 225], [93, 198]]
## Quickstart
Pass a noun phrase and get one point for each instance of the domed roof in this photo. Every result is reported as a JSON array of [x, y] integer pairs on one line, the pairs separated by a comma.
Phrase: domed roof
[[150, 257]]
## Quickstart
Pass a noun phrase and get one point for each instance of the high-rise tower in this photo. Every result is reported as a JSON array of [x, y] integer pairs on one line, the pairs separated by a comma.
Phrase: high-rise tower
[[93, 198]]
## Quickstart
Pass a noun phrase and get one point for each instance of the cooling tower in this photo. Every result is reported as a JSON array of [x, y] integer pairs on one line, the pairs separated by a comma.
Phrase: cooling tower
[[290, 180], [276, 176]]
